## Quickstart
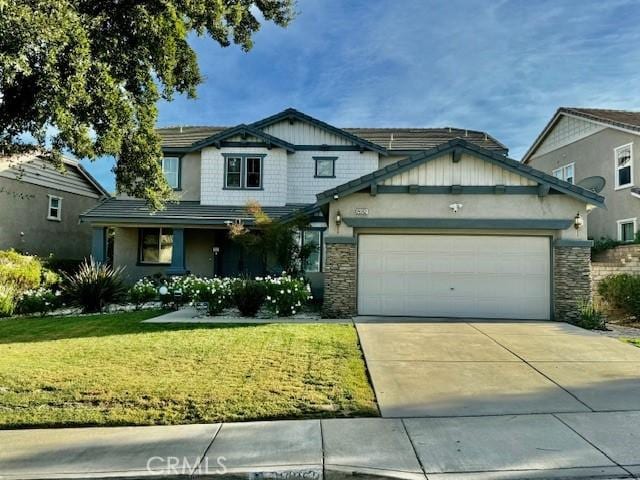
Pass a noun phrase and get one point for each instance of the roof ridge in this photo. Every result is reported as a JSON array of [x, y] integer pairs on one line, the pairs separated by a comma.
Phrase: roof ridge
[[602, 109]]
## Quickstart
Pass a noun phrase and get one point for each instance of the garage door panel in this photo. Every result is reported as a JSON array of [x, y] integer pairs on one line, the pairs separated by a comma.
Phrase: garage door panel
[[459, 276]]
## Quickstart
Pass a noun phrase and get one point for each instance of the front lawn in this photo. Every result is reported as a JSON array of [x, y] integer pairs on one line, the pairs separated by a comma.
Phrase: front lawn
[[633, 341], [115, 370]]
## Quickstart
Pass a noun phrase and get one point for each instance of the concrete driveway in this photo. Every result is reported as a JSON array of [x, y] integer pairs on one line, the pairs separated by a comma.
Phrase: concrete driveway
[[467, 368]]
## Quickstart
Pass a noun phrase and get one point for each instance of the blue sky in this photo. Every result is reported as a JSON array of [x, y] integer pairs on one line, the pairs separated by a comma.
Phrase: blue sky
[[502, 66]]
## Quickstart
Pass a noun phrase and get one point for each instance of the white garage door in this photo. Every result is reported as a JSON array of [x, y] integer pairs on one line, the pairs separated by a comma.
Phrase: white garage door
[[454, 276]]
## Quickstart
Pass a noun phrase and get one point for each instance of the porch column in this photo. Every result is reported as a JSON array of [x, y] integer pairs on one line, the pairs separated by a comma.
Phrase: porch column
[[99, 244], [571, 277], [340, 277], [177, 255]]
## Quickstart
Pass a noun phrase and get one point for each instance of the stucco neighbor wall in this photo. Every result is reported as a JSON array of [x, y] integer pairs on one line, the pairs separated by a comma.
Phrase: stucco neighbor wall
[[65, 239], [594, 155]]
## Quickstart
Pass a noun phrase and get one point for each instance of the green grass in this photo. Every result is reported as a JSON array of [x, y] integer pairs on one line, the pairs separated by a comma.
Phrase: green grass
[[115, 370], [633, 341]]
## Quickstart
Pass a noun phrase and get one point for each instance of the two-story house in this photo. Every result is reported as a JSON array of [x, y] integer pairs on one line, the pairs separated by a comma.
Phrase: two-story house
[[40, 205], [582, 143], [431, 222]]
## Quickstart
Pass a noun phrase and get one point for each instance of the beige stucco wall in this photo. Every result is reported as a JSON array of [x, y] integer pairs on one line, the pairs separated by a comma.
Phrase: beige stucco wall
[[474, 207], [64, 239], [198, 246], [190, 177], [594, 155]]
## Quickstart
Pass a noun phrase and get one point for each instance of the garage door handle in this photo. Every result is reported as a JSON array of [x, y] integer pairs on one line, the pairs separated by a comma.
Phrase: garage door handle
[[451, 288]]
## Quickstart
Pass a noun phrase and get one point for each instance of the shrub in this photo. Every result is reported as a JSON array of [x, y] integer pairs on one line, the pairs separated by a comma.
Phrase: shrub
[[248, 295], [49, 278], [21, 272], [591, 316], [216, 292], [63, 265], [285, 295], [94, 286], [622, 291], [41, 300], [7, 300], [143, 291]]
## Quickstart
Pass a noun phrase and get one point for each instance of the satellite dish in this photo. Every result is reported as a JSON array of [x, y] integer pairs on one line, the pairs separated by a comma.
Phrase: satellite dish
[[595, 184]]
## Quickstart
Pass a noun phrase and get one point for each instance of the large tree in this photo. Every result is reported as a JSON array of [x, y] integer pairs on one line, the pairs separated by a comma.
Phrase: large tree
[[85, 75]]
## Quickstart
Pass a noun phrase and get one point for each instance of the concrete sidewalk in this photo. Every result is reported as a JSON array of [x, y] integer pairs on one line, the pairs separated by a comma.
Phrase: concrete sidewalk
[[545, 446]]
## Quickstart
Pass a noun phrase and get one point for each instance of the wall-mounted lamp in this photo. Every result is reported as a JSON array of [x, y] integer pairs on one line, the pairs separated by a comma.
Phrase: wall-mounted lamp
[[578, 221], [338, 218]]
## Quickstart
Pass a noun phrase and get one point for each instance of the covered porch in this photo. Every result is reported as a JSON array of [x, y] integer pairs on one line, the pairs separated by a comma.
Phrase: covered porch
[[185, 238]]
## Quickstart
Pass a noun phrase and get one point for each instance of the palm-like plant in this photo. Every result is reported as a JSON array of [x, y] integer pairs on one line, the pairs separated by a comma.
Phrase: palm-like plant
[[94, 285]]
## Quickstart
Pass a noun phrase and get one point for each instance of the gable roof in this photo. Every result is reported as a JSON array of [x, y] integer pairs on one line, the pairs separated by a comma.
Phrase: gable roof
[[38, 169], [620, 119], [241, 129], [383, 140], [459, 146], [293, 114]]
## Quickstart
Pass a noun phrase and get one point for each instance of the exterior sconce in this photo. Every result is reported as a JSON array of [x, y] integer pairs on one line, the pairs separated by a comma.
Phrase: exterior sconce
[[578, 221], [338, 218]]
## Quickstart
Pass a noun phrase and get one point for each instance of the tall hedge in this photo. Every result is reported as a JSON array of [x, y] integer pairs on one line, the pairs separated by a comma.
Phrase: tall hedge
[[18, 273]]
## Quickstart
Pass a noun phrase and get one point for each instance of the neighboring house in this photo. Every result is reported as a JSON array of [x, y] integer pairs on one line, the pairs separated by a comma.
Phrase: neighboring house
[[433, 222], [41, 205], [584, 142]]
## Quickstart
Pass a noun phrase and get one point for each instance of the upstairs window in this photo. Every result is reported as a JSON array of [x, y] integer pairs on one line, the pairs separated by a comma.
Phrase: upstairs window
[[565, 173], [243, 171], [54, 212], [325, 167], [156, 245], [624, 166], [627, 230], [233, 174], [171, 170], [254, 172]]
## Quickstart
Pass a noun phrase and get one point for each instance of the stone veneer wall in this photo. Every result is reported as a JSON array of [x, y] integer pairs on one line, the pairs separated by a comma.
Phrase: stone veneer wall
[[340, 279], [571, 280]]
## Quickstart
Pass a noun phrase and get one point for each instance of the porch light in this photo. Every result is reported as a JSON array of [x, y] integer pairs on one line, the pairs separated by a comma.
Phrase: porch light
[[163, 290], [578, 221], [338, 218]]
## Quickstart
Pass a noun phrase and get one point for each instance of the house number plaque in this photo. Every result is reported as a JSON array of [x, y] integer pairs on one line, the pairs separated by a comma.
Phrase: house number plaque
[[361, 212]]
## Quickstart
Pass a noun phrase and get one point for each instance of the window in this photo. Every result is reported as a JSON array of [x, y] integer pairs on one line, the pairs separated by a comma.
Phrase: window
[[233, 177], [325, 167], [171, 170], [624, 166], [565, 173], [243, 171], [54, 212], [156, 245], [627, 230], [254, 172], [312, 237]]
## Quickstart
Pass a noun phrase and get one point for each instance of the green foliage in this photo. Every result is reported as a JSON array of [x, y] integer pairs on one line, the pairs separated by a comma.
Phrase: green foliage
[[591, 316], [248, 295], [143, 291], [286, 295], [622, 291], [276, 240], [62, 265], [604, 243], [21, 272], [7, 300], [94, 285], [92, 72], [41, 300], [216, 292]]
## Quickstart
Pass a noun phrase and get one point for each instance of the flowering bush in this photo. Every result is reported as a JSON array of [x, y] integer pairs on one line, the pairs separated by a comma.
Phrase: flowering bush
[[40, 300], [286, 295], [143, 291], [216, 292]]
